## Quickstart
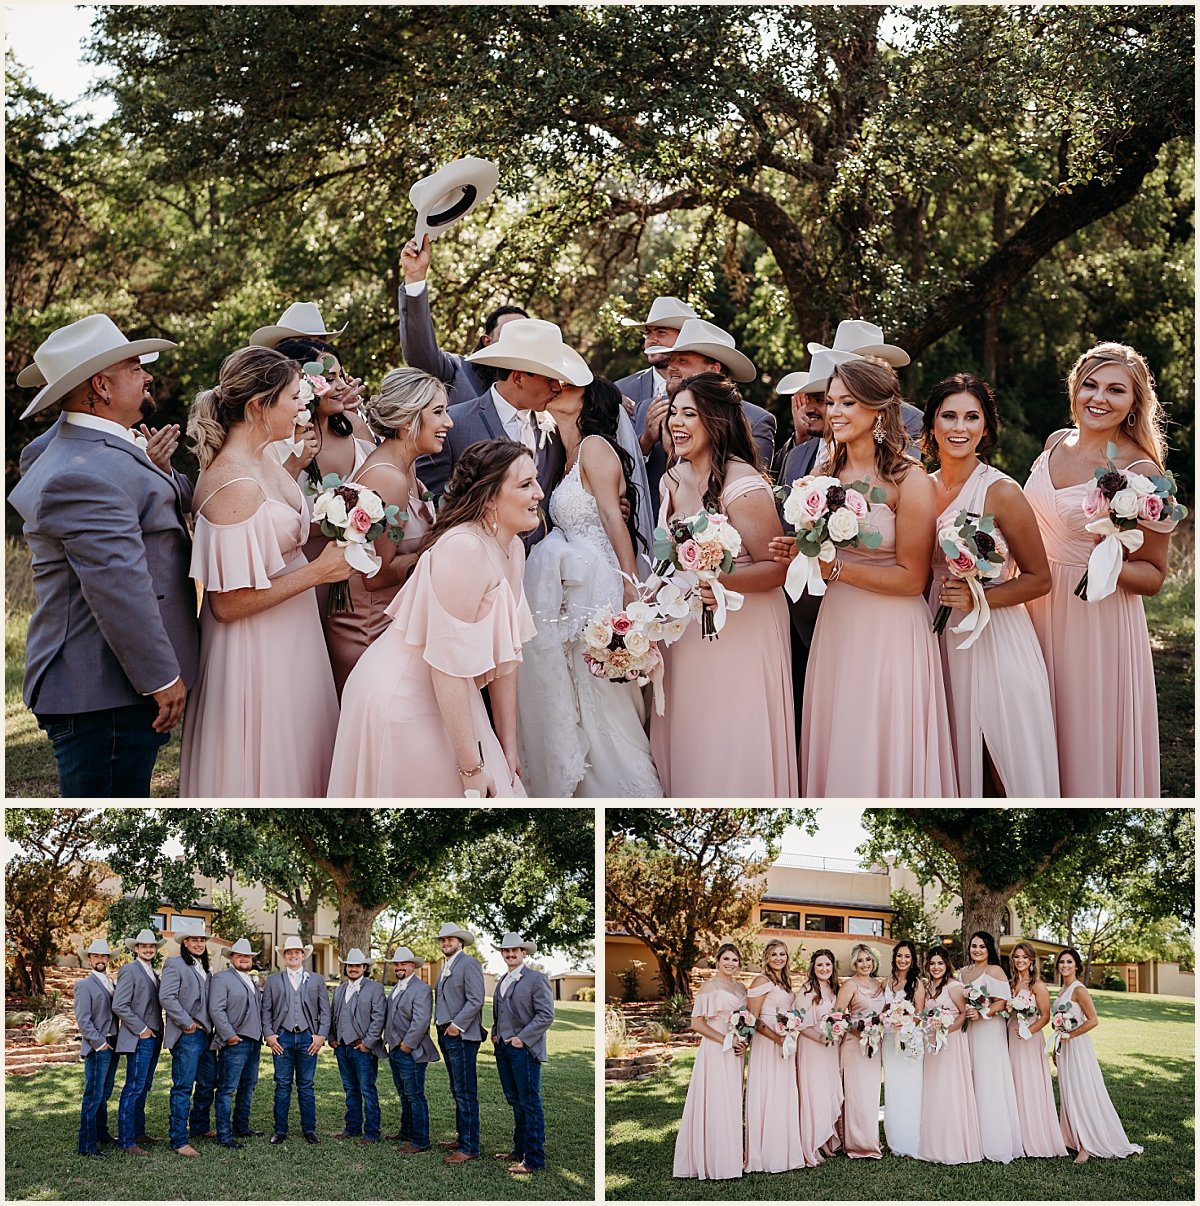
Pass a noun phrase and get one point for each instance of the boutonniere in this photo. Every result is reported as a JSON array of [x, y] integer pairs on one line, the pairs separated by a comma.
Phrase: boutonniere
[[546, 426], [139, 439]]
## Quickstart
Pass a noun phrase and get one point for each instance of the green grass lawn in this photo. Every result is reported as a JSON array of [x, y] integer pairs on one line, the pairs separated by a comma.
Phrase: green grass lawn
[[41, 1121], [1146, 1047]]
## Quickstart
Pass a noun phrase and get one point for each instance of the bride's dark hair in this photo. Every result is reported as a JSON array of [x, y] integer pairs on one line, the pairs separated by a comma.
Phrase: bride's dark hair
[[599, 415]]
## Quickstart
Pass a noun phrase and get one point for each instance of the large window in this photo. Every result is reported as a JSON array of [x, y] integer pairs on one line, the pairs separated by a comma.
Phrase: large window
[[825, 923], [872, 926], [187, 925], [158, 921], [772, 919]]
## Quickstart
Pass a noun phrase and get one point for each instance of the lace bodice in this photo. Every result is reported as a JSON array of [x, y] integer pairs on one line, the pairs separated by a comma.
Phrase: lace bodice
[[576, 513]]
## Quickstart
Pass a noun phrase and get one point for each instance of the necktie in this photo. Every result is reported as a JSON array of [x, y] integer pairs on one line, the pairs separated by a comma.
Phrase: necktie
[[525, 418]]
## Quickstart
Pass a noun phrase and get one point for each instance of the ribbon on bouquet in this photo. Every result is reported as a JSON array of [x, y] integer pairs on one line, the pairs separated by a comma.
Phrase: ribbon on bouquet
[[1023, 1030], [789, 1044], [1104, 565], [804, 574], [726, 601], [361, 556], [656, 681], [727, 1045], [976, 620]]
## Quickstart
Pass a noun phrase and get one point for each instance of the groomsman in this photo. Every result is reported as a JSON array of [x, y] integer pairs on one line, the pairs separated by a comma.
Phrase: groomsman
[[356, 1036], [459, 1006], [295, 1022], [235, 1006], [183, 994], [522, 1012], [139, 1038], [97, 1047], [410, 1049]]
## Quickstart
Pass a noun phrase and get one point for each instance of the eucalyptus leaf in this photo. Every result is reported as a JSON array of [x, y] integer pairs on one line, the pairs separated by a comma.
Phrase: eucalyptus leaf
[[313, 368], [949, 548], [700, 523], [1111, 450], [663, 547], [878, 494], [870, 539], [987, 523]]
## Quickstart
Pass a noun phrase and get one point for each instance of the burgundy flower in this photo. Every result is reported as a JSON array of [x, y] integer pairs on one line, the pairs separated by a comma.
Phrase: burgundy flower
[[1110, 483], [984, 544], [835, 496]]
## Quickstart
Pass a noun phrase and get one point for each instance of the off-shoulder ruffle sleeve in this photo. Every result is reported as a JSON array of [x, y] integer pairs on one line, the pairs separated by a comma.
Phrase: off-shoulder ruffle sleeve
[[232, 556], [759, 990], [715, 1001]]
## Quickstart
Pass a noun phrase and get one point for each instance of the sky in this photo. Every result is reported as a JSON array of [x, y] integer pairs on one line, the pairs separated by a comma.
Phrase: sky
[[840, 832], [47, 40]]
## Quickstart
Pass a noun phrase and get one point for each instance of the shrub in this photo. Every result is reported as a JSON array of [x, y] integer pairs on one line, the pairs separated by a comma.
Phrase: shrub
[[628, 976], [51, 1030], [586, 994], [22, 1017], [659, 1032], [47, 1004], [677, 1013], [615, 1042], [1113, 981]]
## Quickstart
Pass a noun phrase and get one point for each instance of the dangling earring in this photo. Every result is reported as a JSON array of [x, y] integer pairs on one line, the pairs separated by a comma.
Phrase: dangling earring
[[877, 430], [493, 523], [1131, 418]]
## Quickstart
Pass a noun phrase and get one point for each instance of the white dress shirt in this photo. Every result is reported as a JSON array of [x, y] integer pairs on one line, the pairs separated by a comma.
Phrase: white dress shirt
[[518, 424]]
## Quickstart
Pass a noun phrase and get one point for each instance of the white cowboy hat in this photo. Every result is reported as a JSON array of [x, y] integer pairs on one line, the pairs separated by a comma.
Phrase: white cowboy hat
[[793, 383], [450, 930], [511, 941], [180, 939], [294, 944], [821, 367], [451, 193], [241, 947], [72, 354], [664, 312], [865, 338], [144, 937], [531, 345], [404, 955], [300, 319], [356, 956], [99, 947], [710, 341]]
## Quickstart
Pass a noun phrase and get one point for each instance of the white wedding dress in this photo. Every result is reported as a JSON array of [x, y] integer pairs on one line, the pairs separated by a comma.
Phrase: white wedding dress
[[579, 735], [903, 1076]]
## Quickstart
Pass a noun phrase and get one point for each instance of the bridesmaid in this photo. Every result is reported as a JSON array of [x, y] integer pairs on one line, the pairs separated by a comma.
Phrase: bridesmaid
[[818, 1069], [772, 1096], [997, 690], [1098, 654], [261, 718], [719, 470], [901, 1070], [411, 415], [949, 1122], [709, 1143], [861, 1074], [1090, 1125], [995, 1097], [1040, 1132]]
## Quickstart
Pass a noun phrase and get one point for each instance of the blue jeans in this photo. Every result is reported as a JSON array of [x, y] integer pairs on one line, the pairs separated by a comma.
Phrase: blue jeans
[[460, 1055], [193, 1083], [521, 1080], [409, 1078], [237, 1073], [109, 753], [295, 1062], [359, 1070], [139, 1076], [99, 1072]]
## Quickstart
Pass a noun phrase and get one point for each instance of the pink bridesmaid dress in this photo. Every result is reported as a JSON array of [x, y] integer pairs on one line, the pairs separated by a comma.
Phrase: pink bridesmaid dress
[[991, 1072], [874, 658], [997, 691], [1097, 655], [743, 678], [392, 741], [261, 718], [862, 1080], [772, 1097], [709, 1143], [1089, 1122], [949, 1123], [819, 1073], [1040, 1132]]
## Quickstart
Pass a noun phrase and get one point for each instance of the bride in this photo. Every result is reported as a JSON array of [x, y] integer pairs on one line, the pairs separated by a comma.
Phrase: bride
[[580, 735]]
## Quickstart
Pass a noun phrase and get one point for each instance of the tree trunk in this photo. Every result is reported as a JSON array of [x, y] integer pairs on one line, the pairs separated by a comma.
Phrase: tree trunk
[[983, 906], [354, 925], [673, 980]]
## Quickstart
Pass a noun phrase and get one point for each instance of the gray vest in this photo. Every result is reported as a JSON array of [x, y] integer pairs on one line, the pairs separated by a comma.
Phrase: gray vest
[[347, 1032], [294, 1019]]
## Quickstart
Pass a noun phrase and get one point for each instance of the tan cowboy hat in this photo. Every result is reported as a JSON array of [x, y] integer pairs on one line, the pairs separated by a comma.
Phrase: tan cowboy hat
[[356, 956], [300, 319], [72, 354], [865, 338], [664, 312], [404, 955], [793, 383], [531, 345], [99, 947], [711, 341], [145, 936], [511, 941], [293, 944], [821, 368], [241, 947], [451, 193], [180, 939], [450, 930]]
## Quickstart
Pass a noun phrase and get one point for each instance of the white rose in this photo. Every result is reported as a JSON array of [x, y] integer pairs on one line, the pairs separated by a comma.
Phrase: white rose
[[793, 513], [730, 538], [821, 482], [1141, 486], [597, 634], [307, 393], [842, 524], [1125, 503], [371, 503], [320, 507], [637, 642], [335, 511]]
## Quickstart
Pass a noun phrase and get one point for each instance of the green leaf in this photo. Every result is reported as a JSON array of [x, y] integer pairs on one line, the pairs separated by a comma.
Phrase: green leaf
[[869, 538], [313, 368], [662, 545], [330, 481], [878, 495], [701, 522], [1111, 450], [949, 548], [987, 523]]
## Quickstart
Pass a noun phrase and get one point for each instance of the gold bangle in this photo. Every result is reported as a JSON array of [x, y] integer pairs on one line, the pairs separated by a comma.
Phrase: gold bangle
[[836, 572], [470, 774]]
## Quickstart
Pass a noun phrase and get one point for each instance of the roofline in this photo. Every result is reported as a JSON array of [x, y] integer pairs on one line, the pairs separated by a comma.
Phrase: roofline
[[825, 904]]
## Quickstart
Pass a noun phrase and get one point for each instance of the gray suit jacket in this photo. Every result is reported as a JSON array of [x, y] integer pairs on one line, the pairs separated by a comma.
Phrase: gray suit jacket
[[314, 1002], [184, 997], [460, 997], [94, 1016], [418, 342], [233, 1008], [135, 1003], [116, 609], [526, 1011], [408, 1016], [368, 1010]]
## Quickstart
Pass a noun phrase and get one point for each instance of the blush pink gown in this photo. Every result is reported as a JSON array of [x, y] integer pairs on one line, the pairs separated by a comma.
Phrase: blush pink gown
[[262, 715], [862, 1080], [1097, 655], [874, 702], [995, 1097], [1040, 1132], [391, 740], [744, 677], [949, 1123], [819, 1073], [772, 1098], [709, 1143], [1089, 1122], [997, 691]]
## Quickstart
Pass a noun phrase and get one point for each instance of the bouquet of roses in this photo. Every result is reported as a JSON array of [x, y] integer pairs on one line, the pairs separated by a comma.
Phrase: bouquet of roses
[[741, 1022], [1065, 1018], [1114, 507], [618, 648], [1025, 1009], [355, 517], [788, 1022], [700, 546], [834, 1028], [827, 516], [870, 1031], [899, 1019], [977, 999], [974, 553], [937, 1020]]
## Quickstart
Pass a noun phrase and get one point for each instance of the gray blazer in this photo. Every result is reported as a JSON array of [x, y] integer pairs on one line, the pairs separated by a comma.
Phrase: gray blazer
[[183, 994], [135, 1003], [418, 343], [526, 1012], [460, 997], [408, 1016], [94, 1016], [233, 1008], [116, 609], [368, 1010], [314, 1002], [640, 387]]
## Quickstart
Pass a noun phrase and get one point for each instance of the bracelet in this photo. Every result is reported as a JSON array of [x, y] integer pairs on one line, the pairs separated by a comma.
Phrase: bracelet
[[469, 774], [836, 572]]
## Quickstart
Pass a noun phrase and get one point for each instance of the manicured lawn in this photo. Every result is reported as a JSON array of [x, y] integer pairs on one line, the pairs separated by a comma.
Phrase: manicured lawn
[[1146, 1047], [42, 1119]]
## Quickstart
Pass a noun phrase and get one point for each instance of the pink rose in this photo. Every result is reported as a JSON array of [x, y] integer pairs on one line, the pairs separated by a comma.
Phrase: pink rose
[[856, 503], [597, 668], [962, 565], [1095, 504], [1151, 507], [812, 503], [689, 554], [621, 623], [359, 520]]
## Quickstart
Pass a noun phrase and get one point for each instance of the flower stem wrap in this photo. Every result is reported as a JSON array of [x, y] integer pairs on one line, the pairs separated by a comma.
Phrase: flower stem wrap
[[976, 620], [1104, 565]]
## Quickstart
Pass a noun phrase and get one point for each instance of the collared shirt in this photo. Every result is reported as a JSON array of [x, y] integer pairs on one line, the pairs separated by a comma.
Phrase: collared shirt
[[355, 985], [103, 978], [658, 383], [149, 971], [401, 985], [518, 424], [199, 970], [509, 980], [97, 423], [295, 977], [447, 965], [249, 982]]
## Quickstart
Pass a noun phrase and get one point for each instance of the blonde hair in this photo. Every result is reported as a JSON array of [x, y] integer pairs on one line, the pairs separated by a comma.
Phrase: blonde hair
[[873, 383], [247, 375], [1034, 972], [403, 394], [783, 976], [856, 950], [1148, 431]]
